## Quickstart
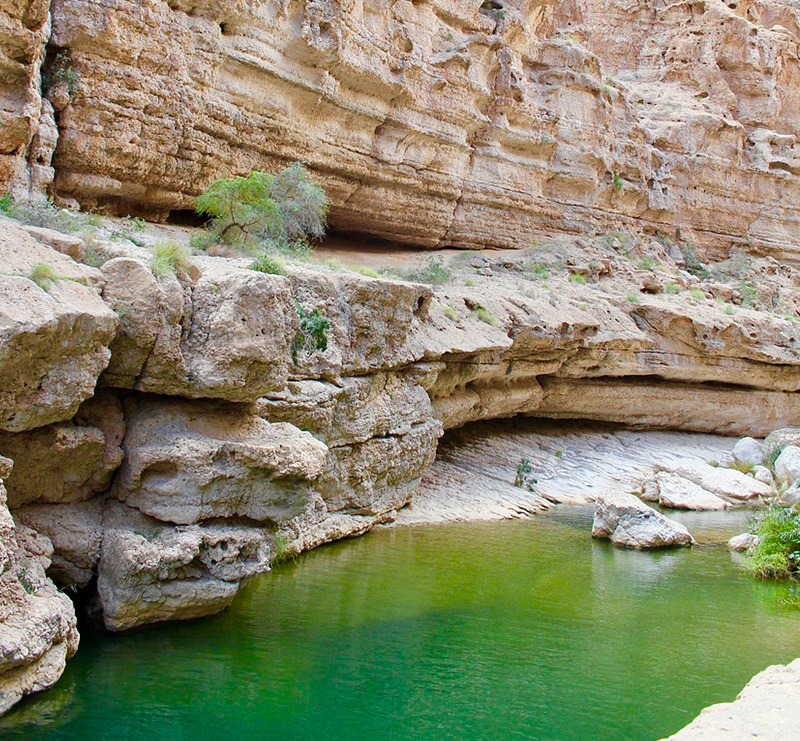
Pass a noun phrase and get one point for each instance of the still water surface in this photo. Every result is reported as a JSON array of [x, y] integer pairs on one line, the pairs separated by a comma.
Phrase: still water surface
[[506, 630]]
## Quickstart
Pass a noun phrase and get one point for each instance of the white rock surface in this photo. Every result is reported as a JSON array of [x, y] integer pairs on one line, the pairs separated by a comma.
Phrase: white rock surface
[[787, 465], [767, 709], [741, 543], [675, 492], [627, 521], [764, 475], [731, 485], [791, 496], [749, 450]]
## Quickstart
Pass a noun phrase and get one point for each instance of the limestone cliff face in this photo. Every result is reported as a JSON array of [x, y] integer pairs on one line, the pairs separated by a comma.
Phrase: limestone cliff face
[[449, 122]]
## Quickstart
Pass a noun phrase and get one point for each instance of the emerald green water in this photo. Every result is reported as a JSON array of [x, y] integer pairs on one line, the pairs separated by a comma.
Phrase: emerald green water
[[508, 630]]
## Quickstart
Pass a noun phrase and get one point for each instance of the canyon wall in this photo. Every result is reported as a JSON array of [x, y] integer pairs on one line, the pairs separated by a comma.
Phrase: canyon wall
[[446, 122]]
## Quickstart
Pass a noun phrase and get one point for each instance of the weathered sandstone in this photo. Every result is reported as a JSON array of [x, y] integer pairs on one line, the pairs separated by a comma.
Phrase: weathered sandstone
[[675, 492], [628, 522]]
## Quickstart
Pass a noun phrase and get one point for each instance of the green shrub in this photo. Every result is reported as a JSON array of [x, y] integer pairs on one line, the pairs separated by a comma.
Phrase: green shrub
[[619, 183], [364, 270], [672, 288], [265, 207], [577, 278], [524, 478], [693, 263], [484, 315], [433, 272], [741, 466], [750, 295], [43, 275], [632, 298], [777, 554], [266, 263], [698, 294], [647, 263], [450, 313], [312, 334], [729, 310], [537, 271], [61, 71], [168, 258]]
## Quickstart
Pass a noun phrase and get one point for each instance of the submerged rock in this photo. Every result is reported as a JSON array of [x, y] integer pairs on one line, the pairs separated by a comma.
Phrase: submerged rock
[[676, 492], [627, 521]]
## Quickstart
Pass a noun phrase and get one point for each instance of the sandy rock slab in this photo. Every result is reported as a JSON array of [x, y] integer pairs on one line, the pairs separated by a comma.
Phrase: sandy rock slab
[[150, 572], [767, 709], [731, 485], [38, 627], [628, 522], [54, 333], [187, 461]]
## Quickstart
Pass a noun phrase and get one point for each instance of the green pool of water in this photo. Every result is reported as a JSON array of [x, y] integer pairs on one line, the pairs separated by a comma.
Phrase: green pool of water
[[506, 630]]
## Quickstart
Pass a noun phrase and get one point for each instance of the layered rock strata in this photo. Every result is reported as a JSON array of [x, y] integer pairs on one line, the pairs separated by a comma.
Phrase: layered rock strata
[[450, 122], [185, 432]]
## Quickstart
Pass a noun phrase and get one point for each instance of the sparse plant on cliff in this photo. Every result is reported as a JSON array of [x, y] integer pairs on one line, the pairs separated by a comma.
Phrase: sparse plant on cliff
[[619, 183], [484, 315], [43, 275], [264, 207], [168, 258], [450, 313], [536, 271], [777, 553], [366, 271], [577, 278], [524, 478], [741, 466], [632, 298], [25, 581], [266, 263], [672, 288], [312, 334], [693, 263], [62, 72], [433, 272], [698, 294]]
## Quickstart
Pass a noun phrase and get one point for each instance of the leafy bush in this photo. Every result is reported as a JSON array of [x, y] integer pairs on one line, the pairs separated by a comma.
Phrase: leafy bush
[[278, 209], [168, 258], [524, 478], [485, 315], [43, 214], [693, 263], [672, 288], [577, 278], [777, 554], [537, 271], [433, 272], [266, 263], [619, 183], [632, 298], [697, 294], [61, 71], [312, 334]]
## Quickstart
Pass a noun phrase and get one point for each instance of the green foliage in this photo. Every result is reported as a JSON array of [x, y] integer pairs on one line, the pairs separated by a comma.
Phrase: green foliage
[[619, 183], [729, 310], [469, 282], [524, 478], [369, 272], [281, 550], [750, 295], [693, 263], [484, 315], [777, 554], [698, 294], [43, 214], [25, 581], [168, 258], [450, 313], [647, 263], [43, 275], [61, 71], [312, 334], [672, 288], [577, 278], [267, 263], [741, 466], [537, 271], [6, 204], [278, 209], [632, 298], [433, 272]]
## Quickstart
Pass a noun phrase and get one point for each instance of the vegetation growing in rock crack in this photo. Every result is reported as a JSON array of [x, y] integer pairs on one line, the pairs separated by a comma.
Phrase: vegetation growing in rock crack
[[279, 211], [777, 553], [312, 335], [524, 478], [61, 72], [168, 258], [43, 275]]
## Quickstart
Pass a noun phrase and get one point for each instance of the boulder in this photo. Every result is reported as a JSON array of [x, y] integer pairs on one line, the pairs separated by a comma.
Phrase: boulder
[[787, 465], [226, 336], [38, 627], [54, 334], [731, 485], [187, 461], [743, 542], [627, 521], [791, 497], [749, 450], [777, 440], [676, 492], [151, 572], [763, 474]]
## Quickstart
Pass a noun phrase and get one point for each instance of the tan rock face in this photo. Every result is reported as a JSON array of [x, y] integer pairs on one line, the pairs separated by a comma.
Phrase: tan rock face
[[38, 629], [440, 123], [54, 337]]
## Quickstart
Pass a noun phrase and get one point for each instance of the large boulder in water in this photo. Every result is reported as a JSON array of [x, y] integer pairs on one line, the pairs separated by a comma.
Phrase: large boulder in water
[[628, 522]]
